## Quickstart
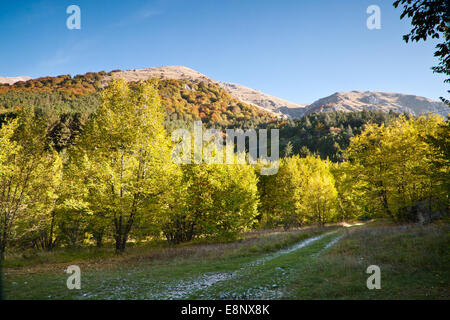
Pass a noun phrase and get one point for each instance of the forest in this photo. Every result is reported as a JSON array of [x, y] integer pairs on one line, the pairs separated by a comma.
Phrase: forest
[[98, 170], [67, 108]]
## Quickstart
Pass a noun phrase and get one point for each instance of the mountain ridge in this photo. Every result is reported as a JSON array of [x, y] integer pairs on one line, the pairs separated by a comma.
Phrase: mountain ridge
[[12, 80], [339, 101], [376, 100]]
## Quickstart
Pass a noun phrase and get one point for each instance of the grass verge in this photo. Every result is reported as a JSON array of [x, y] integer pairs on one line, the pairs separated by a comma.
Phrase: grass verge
[[141, 273], [414, 263]]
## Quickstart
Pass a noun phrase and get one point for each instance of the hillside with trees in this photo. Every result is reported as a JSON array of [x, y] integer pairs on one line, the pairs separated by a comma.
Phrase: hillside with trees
[[182, 99], [67, 103], [326, 134], [115, 181]]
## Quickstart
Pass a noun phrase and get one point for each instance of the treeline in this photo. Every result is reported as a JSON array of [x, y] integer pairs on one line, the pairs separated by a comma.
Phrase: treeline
[[63, 98], [115, 180], [326, 134], [321, 134], [67, 107], [385, 170], [79, 85]]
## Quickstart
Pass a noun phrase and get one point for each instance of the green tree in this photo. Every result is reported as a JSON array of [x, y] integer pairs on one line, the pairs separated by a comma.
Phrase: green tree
[[217, 200], [28, 175], [128, 153], [78, 208], [393, 164], [288, 150], [440, 154], [320, 194], [302, 192], [349, 197]]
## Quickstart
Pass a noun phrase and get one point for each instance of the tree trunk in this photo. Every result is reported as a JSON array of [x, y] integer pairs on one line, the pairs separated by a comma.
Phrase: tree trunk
[[50, 243], [1, 281], [385, 204], [98, 239], [121, 241], [2, 249], [3, 240]]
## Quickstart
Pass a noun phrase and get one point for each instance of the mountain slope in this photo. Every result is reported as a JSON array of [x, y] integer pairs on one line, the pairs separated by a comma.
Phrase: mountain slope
[[244, 94], [12, 80], [373, 100], [262, 100], [165, 72], [341, 101], [186, 94]]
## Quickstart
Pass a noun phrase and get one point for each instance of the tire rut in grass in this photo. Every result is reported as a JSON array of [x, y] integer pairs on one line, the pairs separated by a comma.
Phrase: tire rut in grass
[[201, 286], [267, 280]]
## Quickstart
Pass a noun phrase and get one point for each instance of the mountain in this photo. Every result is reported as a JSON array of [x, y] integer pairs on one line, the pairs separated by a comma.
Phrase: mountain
[[12, 80], [67, 102], [373, 100], [165, 72], [340, 101], [267, 102], [186, 95], [251, 96]]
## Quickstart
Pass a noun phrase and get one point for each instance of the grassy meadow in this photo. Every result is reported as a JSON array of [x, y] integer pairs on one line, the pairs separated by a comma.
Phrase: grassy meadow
[[309, 263]]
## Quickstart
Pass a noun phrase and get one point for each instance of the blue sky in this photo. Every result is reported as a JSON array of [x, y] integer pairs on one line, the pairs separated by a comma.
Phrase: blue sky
[[299, 50]]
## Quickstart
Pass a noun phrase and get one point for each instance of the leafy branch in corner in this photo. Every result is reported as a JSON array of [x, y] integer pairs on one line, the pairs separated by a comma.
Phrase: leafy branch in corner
[[430, 18]]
